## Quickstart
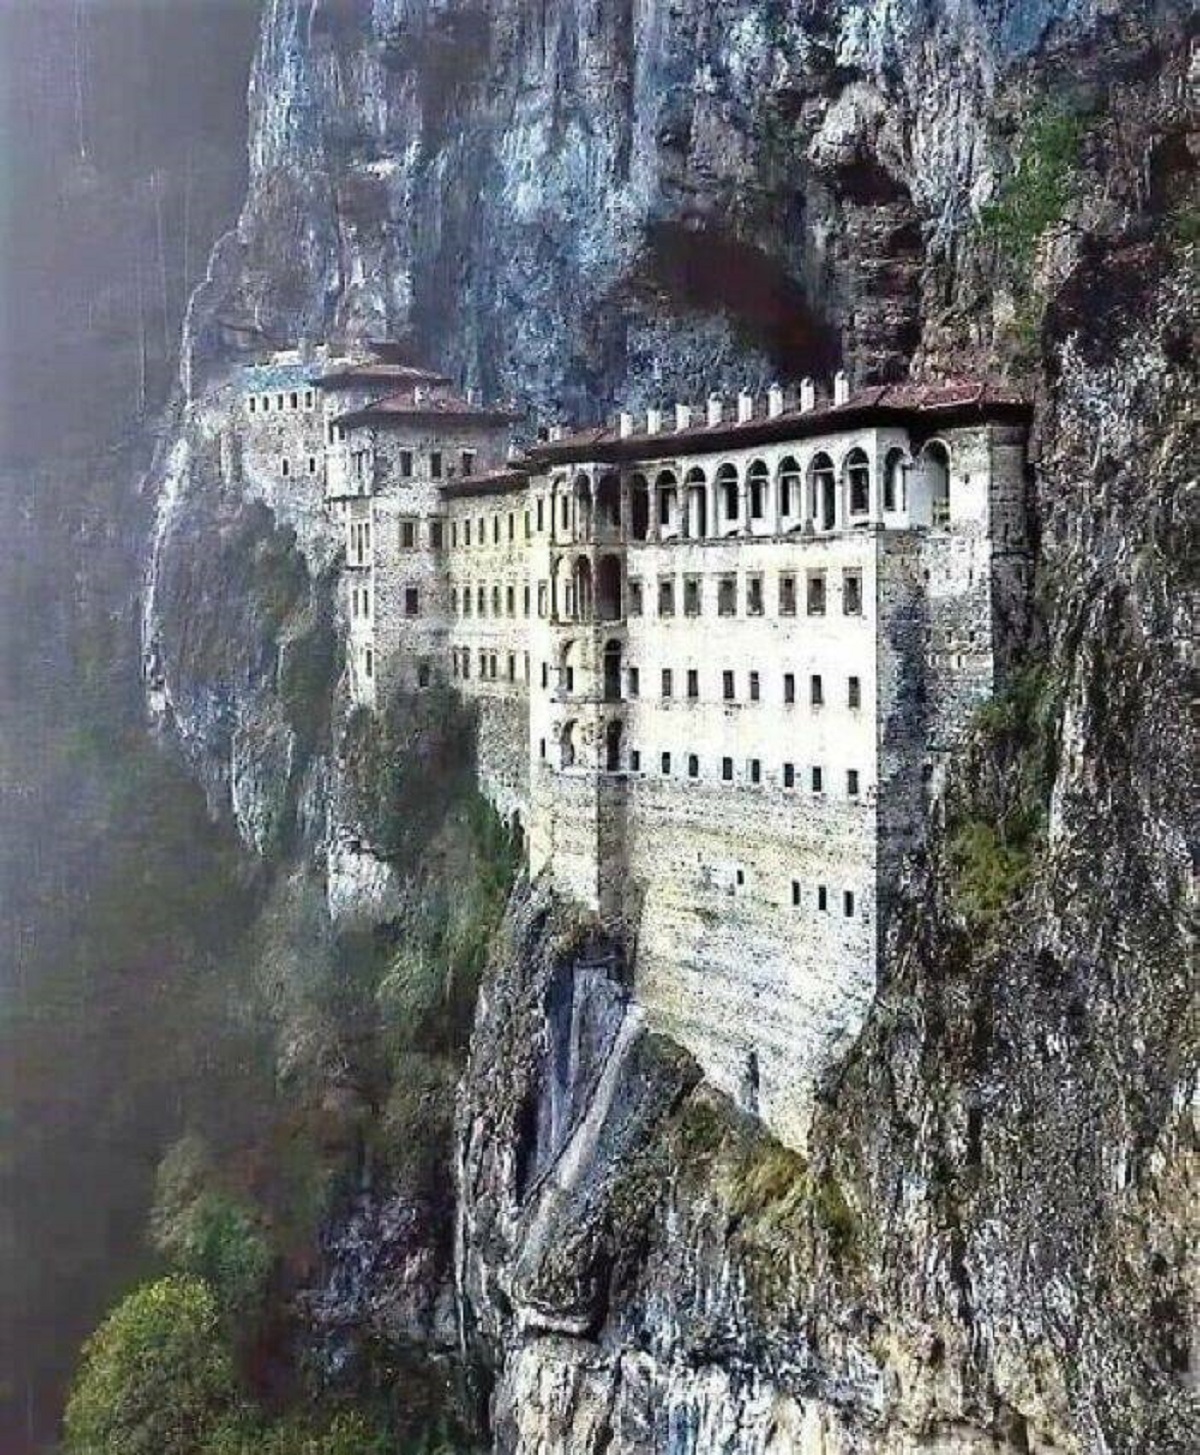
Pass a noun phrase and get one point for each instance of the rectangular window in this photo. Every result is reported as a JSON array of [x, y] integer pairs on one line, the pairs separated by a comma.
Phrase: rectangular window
[[816, 692], [309, 399], [789, 775], [852, 782], [570, 679], [466, 532], [727, 596], [848, 903], [435, 464], [727, 688], [635, 761], [691, 596], [412, 601], [406, 463], [285, 467], [726, 770], [818, 785], [466, 601], [435, 534], [854, 692], [541, 514], [525, 600], [495, 530], [295, 400], [512, 666], [755, 770], [755, 689], [852, 597], [408, 534], [543, 598], [368, 663], [512, 526], [253, 402], [787, 595], [454, 533], [795, 892], [635, 682], [468, 462], [545, 674], [423, 675], [542, 748], [822, 898], [510, 600], [667, 682], [754, 595], [666, 765], [635, 598], [666, 596], [693, 684], [312, 464], [758, 496], [789, 687], [466, 664], [481, 600], [693, 766], [816, 593]]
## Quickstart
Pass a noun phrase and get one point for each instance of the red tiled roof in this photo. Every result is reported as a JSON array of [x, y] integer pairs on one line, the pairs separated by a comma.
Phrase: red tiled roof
[[488, 482], [378, 371], [884, 403], [411, 404]]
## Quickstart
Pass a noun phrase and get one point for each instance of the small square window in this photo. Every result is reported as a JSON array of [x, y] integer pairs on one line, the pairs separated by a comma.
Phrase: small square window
[[467, 460], [693, 684], [852, 782], [412, 601], [789, 687], [854, 692], [667, 682], [693, 766], [666, 765], [818, 784], [789, 775], [727, 770]]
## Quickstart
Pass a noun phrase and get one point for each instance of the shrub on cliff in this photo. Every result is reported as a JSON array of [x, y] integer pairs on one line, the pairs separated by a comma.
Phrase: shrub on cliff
[[157, 1377], [1036, 194]]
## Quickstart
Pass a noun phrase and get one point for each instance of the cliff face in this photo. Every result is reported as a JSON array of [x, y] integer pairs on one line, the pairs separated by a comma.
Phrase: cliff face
[[578, 203]]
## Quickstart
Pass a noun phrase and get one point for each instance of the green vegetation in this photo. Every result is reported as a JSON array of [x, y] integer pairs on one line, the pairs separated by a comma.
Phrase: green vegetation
[[1036, 195], [996, 833], [157, 1376]]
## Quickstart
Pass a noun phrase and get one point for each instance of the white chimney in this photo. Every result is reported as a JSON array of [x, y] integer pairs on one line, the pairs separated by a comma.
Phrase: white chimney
[[625, 424], [683, 416], [556, 433], [745, 406], [841, 387], [653, 421], [716, 409], [774, 401], [808, 395], [472, 395]]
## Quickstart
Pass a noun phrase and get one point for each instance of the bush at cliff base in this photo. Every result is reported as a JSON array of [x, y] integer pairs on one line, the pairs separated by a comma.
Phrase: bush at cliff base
[[157, 1378]]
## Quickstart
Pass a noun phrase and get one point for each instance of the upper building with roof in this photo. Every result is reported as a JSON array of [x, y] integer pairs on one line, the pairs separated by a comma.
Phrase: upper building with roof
[[718, 657]]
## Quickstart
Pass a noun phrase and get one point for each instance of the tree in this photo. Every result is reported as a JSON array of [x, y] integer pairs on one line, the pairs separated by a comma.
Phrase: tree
[[157, 1376]]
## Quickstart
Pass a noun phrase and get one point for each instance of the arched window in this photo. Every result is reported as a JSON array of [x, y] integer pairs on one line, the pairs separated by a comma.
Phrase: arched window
[[935, 458], [608, 504], [608, 589], [757, 479], [893, 480], [790, 485], [822, 484], [567, 745], [697, 503], [639, 508], [582, 576], [613, 733], [727, 493], [612, 671], [858, 482], [583, 507], [667, 494]]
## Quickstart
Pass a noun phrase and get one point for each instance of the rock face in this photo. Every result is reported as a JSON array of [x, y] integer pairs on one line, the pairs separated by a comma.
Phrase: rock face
[[580, 202]]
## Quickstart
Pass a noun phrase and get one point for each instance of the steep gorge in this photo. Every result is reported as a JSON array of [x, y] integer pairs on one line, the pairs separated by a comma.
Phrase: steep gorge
[[579, 204]]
